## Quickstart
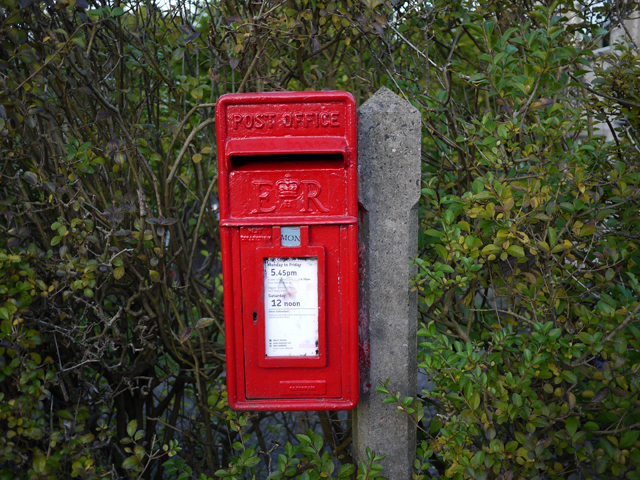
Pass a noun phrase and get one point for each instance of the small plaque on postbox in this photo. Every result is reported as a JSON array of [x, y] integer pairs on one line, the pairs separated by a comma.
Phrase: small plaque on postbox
[[288, 216]]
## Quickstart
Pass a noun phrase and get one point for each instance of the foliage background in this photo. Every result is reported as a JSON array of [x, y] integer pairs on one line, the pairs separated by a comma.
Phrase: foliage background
[[111, 341]]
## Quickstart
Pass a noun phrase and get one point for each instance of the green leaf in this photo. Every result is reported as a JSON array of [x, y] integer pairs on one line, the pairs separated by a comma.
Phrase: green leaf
[[177, 55], [39, 464], [118, 273], [435, 426], [587, 230], [567, 206], [213, 397], [56, 240], [629, 438], [132, 427], [555, 334], [569, 376], [130, 463], [516, 251], [442, 252], [197, 93], [507, 34], [478, 458], [444, 268], [572, 425], [469, 241], [468, 390], [346, 470], [120, 158], [517, 400], [489, 249], [116, 12]]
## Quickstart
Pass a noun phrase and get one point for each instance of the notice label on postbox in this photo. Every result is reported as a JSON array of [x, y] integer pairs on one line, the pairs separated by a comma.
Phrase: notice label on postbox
[[291, 306]]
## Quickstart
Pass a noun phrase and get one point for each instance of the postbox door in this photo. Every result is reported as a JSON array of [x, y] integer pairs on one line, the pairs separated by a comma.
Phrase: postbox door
[[291, 320]]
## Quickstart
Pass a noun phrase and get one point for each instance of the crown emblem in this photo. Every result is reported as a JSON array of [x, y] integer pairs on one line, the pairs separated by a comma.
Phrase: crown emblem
[[287, 188]]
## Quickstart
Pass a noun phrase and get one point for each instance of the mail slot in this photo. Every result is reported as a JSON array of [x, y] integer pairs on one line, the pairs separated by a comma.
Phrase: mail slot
[[288, 224]]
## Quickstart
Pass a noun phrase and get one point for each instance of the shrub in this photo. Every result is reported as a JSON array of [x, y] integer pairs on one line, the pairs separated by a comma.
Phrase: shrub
[[529, 262]]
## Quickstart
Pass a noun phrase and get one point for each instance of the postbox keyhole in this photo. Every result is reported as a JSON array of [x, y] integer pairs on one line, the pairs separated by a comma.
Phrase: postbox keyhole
[[255, 316]]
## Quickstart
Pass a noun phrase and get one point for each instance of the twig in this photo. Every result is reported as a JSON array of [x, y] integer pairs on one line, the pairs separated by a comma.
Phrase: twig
[[187, 142], [626, 103], [249, 70], [205, 202], [617, 430], [623, 325]]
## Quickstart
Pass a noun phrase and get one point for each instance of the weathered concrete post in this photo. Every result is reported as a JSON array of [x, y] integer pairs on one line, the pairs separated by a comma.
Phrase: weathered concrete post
[[389, 132]]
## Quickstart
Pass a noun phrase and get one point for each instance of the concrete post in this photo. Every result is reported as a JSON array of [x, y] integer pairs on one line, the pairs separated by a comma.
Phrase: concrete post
[[389, 132]]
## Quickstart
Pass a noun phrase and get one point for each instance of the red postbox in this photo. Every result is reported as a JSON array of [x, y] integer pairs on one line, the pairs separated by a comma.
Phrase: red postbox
[[288, 222]]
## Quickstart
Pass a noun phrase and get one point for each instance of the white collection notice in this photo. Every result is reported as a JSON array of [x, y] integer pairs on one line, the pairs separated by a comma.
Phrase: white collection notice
[[291, 306]]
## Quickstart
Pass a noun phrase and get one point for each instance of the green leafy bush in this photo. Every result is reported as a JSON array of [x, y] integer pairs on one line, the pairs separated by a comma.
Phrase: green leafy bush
[[111, 309], [529, 263]]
